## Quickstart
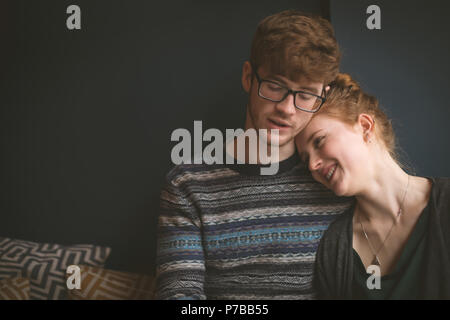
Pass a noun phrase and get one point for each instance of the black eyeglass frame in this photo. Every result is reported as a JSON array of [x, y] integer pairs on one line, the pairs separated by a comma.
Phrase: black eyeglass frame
[[289, 91]]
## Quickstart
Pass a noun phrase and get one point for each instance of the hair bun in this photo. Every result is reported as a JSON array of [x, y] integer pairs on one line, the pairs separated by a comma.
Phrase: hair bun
[[344, 82], [346, 101]]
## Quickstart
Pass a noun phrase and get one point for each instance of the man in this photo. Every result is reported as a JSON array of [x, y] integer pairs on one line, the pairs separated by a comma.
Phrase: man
[[228, 232]]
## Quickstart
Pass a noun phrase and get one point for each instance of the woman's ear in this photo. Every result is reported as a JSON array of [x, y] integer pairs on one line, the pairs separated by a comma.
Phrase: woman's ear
[[247, 74], [367, 125]]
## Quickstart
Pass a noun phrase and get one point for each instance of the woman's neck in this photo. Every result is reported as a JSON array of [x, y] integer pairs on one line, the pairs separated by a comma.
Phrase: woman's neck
[[385, 192]]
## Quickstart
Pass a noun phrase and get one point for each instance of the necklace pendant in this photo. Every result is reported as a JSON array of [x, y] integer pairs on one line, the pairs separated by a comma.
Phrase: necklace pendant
[[375, 261]]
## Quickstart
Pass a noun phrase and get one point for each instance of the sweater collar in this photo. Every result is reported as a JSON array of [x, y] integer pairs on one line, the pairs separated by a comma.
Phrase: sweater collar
[[255, 169]]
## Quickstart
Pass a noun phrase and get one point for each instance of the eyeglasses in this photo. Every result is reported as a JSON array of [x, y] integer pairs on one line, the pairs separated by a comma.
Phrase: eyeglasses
[[273, 91]]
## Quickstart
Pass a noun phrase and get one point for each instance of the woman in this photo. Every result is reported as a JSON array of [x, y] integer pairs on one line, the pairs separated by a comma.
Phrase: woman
[[399, 222]]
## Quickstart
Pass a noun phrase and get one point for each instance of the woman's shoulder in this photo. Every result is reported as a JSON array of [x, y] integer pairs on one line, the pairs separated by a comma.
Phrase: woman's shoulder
[[440, 194], [442, 183], [440, 190]]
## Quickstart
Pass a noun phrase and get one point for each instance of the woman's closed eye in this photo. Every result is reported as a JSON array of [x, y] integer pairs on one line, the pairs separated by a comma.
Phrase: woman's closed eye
[[318, 142]]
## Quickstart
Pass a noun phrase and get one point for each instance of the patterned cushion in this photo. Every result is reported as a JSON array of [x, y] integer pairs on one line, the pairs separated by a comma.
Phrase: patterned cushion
[[45, 264], [104, 284], [15, 289]]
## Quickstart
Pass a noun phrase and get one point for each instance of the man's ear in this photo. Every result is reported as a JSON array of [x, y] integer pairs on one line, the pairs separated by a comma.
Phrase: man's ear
[[247, 74], [366, 124]]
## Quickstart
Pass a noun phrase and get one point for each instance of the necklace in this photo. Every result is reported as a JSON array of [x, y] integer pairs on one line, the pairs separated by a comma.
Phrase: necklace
[[376, 260]]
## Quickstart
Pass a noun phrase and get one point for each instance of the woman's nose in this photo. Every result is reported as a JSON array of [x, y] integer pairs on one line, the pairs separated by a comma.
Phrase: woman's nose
[[314, 163]]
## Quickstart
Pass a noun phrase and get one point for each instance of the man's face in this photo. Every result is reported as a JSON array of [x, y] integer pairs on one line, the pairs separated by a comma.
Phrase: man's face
[[284, 116]]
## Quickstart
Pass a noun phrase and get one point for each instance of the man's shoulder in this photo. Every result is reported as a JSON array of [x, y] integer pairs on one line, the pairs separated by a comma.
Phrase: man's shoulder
[[209, 172], [185, 173], [298, 181]]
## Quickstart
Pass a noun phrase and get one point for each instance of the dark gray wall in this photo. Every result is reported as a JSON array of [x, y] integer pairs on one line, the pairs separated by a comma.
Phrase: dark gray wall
[[86, 116], [406, 65]]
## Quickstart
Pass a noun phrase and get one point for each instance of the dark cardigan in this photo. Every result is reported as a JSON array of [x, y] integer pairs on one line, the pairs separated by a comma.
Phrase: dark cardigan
[[334, 260]]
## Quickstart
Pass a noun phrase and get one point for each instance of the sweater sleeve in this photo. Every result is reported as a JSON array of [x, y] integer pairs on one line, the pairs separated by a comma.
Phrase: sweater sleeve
[[321, 284], [334, 264], [180, 265]]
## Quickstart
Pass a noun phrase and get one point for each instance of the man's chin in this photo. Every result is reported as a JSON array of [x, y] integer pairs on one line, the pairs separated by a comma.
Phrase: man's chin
[[279, 139]]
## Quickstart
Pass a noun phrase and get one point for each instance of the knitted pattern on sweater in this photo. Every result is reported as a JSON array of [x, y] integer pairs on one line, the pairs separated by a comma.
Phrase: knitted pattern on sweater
[[226, 232]]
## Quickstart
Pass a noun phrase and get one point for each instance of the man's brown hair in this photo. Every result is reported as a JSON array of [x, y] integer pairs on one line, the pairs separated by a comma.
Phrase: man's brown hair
[[296, 45]]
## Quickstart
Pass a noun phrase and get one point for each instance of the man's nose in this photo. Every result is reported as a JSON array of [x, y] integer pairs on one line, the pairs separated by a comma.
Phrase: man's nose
[[287, 105]]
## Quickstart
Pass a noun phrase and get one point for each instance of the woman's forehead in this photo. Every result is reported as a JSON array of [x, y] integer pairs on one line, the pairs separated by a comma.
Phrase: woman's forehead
[[323, 120], [317, 121], [317, 124]]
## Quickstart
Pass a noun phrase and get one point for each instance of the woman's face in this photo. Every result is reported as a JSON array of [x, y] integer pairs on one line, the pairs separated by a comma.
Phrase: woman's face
[[336, 153]]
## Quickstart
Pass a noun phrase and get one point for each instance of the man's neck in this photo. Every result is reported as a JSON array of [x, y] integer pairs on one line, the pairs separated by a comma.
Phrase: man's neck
[[286, 151]]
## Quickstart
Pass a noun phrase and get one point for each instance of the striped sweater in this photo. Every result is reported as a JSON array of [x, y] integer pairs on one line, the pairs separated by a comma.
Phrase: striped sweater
[[227, 232]]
